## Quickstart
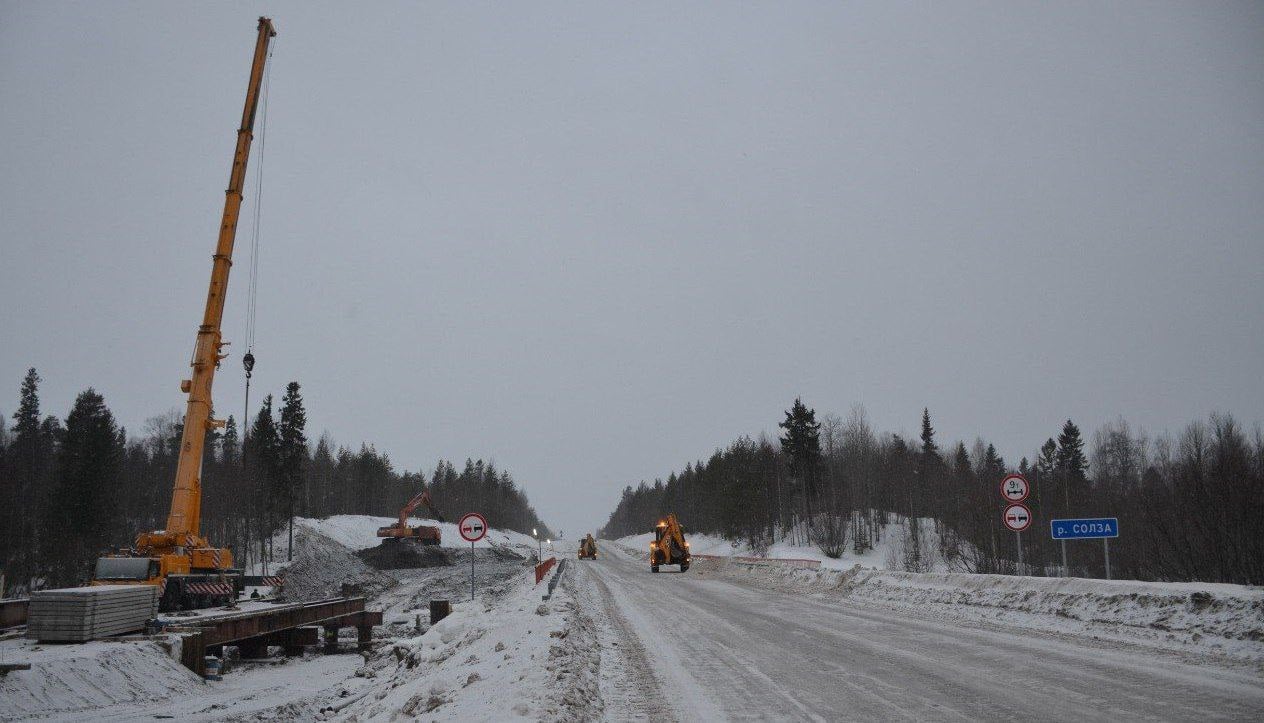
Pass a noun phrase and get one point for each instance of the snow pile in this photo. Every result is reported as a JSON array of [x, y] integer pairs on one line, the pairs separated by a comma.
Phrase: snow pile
[[515, 658], [322, 566], [69, 679], [699, 544], [360, 531], [884, 554], [1214, 618]]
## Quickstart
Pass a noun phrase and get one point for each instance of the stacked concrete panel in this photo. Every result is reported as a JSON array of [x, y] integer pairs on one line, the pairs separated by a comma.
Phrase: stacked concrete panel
[[77, 614]]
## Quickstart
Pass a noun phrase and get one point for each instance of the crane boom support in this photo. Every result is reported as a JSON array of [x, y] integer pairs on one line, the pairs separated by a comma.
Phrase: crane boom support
[[186, 500]]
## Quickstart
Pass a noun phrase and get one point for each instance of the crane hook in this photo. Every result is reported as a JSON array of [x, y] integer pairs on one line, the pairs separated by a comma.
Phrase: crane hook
[[248, 361]]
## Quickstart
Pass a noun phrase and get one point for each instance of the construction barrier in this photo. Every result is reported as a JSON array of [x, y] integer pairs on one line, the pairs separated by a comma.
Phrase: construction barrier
[[13, 612], [543, 569], [785, 561]]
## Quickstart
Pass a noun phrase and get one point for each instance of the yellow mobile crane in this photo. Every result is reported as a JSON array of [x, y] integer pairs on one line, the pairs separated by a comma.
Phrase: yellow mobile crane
[[191, 572]]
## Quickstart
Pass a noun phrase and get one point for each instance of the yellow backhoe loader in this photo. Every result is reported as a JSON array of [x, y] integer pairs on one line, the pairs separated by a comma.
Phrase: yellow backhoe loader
[[588, 548], [669, 546]]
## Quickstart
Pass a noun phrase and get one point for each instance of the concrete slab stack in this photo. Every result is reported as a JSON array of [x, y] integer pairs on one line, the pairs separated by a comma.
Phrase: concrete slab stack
[[78, 614]]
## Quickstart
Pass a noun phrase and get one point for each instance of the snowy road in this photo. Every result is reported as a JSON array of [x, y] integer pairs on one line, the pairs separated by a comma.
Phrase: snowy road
[[701, 646]]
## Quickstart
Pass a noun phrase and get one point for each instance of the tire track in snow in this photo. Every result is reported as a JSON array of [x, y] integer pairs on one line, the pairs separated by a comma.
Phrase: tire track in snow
[[628, 687]]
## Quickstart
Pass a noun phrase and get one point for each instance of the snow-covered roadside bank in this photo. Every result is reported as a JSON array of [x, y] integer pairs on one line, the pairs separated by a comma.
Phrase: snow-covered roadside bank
[[541, 672], [512, 656], [69, 679], [884, 554], [1224, 622]]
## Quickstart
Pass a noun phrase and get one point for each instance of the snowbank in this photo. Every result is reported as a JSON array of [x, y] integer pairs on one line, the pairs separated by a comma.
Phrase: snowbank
[[1212, 618], [510, 657], [880, 557], [68, 679], [360, 531]]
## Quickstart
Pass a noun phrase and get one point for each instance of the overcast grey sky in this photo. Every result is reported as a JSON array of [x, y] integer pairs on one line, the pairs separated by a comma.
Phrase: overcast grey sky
[[594, 241]]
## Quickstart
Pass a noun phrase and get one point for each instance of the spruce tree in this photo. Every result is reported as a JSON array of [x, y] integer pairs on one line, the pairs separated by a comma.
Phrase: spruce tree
[[929, 468], [28, 469], [260, 455], [86, 488], [1071, 464], [230, 444], [291, 453], [802, 443]]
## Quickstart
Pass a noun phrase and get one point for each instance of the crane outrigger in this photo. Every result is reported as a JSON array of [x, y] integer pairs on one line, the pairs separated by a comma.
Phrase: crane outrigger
[[192, 572]]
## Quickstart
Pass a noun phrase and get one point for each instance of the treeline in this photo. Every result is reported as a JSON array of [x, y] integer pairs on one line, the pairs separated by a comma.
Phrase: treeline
[[1190, 507], [76, 487]]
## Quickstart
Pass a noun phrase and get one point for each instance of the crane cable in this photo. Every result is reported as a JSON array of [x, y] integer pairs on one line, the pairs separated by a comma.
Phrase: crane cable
[[252, 292]]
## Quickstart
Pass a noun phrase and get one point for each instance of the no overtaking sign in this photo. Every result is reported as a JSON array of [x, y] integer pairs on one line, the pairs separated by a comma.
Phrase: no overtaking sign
[[473, 527]]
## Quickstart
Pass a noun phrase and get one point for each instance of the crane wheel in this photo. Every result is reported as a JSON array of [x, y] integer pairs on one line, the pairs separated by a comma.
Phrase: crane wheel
[[653, 568], [684, 568]]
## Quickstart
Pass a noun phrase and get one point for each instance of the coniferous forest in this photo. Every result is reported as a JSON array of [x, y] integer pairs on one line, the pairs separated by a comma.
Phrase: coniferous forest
[[1190, 507], [79, 485]]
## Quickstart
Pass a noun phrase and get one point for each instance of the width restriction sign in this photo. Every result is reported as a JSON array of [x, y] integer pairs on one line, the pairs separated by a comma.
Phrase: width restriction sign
[[1017, 517], [472, 527], [1014, 488]]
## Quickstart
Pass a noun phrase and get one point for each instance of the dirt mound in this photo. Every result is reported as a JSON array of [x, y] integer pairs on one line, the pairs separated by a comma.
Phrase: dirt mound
[[404, 556], [322, 567]]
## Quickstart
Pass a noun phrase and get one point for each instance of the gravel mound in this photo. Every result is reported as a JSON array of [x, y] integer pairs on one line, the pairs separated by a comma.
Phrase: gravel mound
[[322, 567]]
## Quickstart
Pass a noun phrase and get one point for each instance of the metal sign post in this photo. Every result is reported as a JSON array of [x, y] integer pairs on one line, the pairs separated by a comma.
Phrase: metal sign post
[[473, 527], [1017, 518], [1106, 552], [1015, 488]]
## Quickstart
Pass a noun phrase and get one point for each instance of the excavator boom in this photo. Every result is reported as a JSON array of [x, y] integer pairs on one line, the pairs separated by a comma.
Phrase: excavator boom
[[425, 534]]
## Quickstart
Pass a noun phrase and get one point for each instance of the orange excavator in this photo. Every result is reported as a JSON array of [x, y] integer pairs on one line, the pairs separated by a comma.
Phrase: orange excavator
[[423, 534], [190, 571]]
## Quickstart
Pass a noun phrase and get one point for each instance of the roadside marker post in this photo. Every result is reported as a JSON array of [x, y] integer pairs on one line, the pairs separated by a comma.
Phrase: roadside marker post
[[1089, 528], [473, 527]]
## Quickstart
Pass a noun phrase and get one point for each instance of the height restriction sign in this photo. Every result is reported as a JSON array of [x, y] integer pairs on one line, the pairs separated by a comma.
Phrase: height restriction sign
[[1015, 488]]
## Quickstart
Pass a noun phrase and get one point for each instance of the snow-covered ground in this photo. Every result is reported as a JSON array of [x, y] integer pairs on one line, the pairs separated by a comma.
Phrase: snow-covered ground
[[1213, 619], [726, 640], [881, 556], [356, 532], [502, 656], [729, 640]]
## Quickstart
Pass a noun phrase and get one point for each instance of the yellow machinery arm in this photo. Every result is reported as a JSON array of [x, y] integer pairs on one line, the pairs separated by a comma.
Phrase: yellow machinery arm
[[184, 520], [669, 546]]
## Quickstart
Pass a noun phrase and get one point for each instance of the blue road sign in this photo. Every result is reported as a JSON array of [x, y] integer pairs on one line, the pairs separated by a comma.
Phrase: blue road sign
[[1092, 528]]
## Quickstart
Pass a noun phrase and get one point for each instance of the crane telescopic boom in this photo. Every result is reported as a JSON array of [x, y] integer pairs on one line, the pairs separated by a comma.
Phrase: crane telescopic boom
[[179, 549]]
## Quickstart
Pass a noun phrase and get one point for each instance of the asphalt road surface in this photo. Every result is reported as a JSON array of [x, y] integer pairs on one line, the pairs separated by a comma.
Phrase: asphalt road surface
[[703, 646]]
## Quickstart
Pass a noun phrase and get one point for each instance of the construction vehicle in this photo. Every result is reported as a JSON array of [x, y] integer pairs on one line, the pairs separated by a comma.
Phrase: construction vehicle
[[669, 546], [189, 570], [423, 534], [588, 548]]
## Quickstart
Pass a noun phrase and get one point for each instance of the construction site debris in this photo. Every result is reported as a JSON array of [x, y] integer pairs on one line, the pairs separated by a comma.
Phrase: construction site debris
[[404, 556], [321, 567]]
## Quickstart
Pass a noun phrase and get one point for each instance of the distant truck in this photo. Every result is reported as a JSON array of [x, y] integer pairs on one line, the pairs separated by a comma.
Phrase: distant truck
[[669, 546], [588, 548]]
